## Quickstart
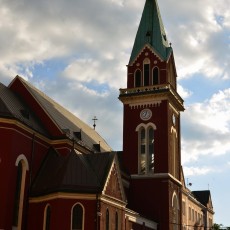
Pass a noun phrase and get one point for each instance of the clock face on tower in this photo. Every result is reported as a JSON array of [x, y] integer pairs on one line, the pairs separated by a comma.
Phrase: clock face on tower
[[145, 114]]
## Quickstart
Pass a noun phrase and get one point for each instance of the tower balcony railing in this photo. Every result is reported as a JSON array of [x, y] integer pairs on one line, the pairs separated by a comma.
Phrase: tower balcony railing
[[152, 89]]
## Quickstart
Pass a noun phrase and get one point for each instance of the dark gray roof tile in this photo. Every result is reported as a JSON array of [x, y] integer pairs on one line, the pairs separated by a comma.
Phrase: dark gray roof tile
[[67, 121], [76, 172]]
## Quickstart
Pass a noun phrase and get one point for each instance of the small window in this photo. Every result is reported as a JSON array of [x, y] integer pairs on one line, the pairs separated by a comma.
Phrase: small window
[[116, 221], [107, 220], [138, 78], [183, 207], [155, 78], [77, 217]]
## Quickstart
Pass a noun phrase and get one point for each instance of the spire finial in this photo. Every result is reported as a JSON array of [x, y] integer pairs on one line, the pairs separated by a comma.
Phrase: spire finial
[[94, 122]]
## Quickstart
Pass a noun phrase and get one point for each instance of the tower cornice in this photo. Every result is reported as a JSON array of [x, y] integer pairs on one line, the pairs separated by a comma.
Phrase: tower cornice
[[151, 95]]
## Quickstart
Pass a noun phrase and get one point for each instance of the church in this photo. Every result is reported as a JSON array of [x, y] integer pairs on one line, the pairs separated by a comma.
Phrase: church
[[57, 172]]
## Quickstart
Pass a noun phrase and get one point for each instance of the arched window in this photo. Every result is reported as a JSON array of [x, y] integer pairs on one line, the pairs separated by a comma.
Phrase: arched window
[[22, 166], [116, 221], [175, 207], [138, 78], [174, 152], [146, 71], [146, 148], [77, 217], [17, 194], [155, 77], [107, 220], [47, 217], [142, 150], [151, 149], [146, 74]]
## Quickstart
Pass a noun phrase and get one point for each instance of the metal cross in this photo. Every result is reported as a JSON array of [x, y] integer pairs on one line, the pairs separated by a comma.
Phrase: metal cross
[[94, 122]]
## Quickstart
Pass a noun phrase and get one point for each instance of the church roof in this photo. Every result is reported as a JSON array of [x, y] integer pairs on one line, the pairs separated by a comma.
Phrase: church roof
[[202, 196], [151, 31], [64, 121], [12, 106], [76, 172]]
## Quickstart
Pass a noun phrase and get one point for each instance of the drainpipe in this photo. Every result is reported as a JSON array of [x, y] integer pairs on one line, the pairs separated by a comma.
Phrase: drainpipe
[[98, 211]]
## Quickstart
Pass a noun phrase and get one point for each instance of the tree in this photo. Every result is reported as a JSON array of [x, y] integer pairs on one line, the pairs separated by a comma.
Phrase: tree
[[216, 226]]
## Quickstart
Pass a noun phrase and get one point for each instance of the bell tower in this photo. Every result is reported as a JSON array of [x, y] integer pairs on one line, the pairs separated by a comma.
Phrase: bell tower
[[151, 128]]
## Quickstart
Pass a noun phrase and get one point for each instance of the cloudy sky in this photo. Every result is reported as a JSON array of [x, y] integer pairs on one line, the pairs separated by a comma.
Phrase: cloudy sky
[[76, 51]]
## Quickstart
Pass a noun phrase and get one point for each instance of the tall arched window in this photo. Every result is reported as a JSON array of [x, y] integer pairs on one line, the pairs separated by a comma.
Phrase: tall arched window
[[116, 221], [107, 220], [174, 152], [47, 217], [22, 166], [146, 148], [138, 78], [142, 150], [146, 72], [77, 217], [175, 207], [151, 149], [155, 77], [17, 194]]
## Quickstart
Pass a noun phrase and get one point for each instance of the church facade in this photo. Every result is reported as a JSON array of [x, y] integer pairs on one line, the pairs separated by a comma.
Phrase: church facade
[[59, 173]]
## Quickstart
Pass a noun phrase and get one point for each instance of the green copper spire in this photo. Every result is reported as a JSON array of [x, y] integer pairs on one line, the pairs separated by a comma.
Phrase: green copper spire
[[151, 31]]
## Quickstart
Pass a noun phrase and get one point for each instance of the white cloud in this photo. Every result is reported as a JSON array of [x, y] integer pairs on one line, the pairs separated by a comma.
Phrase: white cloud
[[86, 103], [184, 93], [87, 70], [206, 127], [200, 41], [93, 39], [196, 171], [36, 31]]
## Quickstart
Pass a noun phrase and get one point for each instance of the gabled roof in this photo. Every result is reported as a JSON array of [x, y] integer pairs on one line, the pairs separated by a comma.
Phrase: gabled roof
[[11, 106], [74, 173], [204, 197], [151, 31], [52, 112]]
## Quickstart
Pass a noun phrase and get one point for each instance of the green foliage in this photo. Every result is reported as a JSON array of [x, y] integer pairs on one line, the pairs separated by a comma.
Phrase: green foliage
[[216, 226], [219, 227]]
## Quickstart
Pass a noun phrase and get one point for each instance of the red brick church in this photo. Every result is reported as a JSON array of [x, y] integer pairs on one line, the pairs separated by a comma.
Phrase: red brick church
[[57, 172]]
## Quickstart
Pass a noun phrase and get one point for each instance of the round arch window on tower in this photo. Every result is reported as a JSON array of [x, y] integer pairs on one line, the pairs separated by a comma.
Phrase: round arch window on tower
[[146, 148]]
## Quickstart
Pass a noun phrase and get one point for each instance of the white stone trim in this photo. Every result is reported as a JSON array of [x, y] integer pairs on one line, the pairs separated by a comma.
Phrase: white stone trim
[[135, 218], [23, 158], [83, 215]]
